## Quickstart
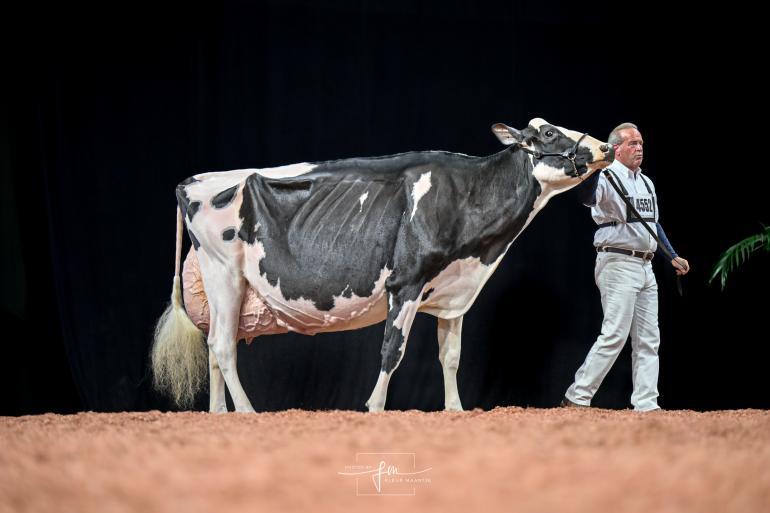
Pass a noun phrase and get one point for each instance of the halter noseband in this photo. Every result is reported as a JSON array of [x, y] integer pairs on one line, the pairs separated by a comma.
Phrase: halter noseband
[[570, 154]]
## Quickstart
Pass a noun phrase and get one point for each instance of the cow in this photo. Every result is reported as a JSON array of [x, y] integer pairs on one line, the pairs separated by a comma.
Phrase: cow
[[344, 244]]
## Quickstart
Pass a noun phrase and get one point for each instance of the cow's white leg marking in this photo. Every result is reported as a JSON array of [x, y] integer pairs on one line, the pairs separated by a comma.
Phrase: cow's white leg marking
[[449, 337], [397, 328], [217, 402], [376, 401], [421, 187], [222, 341], [225, 285]]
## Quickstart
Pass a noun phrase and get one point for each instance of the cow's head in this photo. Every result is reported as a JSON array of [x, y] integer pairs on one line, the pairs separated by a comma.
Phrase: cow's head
[[562, 158]]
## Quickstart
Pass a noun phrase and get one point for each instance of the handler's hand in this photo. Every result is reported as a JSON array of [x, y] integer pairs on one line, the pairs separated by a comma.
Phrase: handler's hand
[[681, 265]]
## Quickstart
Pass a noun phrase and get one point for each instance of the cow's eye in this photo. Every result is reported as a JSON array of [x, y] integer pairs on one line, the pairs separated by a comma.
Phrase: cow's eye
[[549, 133]]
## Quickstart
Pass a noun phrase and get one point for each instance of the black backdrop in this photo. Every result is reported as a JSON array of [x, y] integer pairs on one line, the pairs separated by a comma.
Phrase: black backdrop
[[104, 111]]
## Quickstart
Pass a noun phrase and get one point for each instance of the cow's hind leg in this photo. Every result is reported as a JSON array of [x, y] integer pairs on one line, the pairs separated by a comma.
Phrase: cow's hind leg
[[225, 288], [400, 317], [217, 403], [449, 337]]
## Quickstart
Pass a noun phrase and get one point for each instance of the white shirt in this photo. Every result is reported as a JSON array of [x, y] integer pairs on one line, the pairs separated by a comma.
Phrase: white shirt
[[610, 207]]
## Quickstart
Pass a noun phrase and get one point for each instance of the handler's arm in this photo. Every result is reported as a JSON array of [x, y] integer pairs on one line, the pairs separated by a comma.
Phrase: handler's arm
[[681, 265]]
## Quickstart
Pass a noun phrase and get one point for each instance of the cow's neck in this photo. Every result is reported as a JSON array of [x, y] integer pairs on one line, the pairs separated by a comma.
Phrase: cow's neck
[[507, 194]]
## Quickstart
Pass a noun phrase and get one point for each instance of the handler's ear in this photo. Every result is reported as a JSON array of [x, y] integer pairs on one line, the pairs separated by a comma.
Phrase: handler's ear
[[506, 134]]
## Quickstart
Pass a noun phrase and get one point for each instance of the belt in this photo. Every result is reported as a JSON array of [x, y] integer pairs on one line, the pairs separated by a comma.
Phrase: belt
[[644, 255]]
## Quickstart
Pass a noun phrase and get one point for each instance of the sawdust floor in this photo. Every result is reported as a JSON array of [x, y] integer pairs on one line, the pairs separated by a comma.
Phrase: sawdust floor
[[511, 459]]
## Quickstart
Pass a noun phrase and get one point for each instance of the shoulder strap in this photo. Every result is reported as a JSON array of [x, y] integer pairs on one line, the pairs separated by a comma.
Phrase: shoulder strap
[[644, 223], [649, 189], [654, 199], [609, 172]]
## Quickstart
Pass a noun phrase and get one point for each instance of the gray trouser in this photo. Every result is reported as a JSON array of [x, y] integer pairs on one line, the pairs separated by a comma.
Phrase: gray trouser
[[630, 303]]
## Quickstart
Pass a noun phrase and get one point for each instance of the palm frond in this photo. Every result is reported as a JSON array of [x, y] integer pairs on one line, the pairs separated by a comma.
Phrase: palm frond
[[737, 254]]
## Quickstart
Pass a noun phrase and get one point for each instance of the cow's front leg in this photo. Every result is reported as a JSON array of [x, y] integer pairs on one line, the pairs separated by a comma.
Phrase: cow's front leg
[[217, 403], [400, 317], [449, 337]]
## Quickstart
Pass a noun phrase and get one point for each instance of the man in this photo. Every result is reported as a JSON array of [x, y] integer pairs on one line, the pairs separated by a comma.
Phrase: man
[[624, 275]]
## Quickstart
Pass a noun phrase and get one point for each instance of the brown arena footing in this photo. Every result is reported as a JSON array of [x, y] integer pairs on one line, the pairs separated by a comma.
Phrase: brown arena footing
[[507, 459]]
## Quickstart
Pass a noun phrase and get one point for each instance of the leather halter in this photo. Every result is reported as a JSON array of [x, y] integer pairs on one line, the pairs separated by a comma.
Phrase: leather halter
[[570, 154]]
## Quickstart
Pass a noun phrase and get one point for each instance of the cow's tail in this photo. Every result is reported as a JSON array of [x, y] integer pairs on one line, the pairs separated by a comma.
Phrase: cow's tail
[[179, 353]]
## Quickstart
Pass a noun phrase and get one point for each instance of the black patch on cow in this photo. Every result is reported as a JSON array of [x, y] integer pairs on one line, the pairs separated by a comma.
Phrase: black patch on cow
[[224, 198], [392, 350], [228, 234], [248, 212], [318, 239], [393, 345], [302, 185], [193, 209], [183, 200], [427, 294], [193, 239]]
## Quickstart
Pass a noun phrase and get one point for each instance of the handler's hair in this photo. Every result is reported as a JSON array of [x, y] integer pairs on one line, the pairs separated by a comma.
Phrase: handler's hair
[[615, 137]]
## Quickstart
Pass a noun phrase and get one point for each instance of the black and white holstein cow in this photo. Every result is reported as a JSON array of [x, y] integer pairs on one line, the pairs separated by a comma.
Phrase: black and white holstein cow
[[344, 244]]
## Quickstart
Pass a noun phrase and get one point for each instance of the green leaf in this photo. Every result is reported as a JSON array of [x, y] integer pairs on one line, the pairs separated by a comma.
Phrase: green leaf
[[737, 254]]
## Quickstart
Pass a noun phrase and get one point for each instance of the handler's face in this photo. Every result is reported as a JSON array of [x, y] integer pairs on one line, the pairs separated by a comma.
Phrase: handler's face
[[631, 151]]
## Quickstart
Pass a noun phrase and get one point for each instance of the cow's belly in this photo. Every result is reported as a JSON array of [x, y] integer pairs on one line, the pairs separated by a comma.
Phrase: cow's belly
[[264, 310], [456, 287]]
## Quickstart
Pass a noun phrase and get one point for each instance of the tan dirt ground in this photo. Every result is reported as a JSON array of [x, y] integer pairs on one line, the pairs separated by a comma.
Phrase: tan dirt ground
[[507, 459]]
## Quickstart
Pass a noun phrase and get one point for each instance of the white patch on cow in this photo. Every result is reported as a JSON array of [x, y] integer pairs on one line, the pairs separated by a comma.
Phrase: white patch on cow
[[353, 306], [376, 402], [421, 187], [208, 223], [390, 302], [405, 317], [289, 171], [553, 178], [361, 200], [456, 287], [452, 153], [590, 143], [552, 181], [549, 175], [210, 184], [575, 136]]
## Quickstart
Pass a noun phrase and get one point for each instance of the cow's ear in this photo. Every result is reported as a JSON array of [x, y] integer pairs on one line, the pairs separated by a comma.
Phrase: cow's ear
[[506, 134]]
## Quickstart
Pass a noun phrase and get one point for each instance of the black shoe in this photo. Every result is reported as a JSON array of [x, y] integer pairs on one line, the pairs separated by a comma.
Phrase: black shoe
[[566, 403]]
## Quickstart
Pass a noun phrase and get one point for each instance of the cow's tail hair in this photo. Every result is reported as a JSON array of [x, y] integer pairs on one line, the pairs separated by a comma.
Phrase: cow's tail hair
[[179, 353]]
